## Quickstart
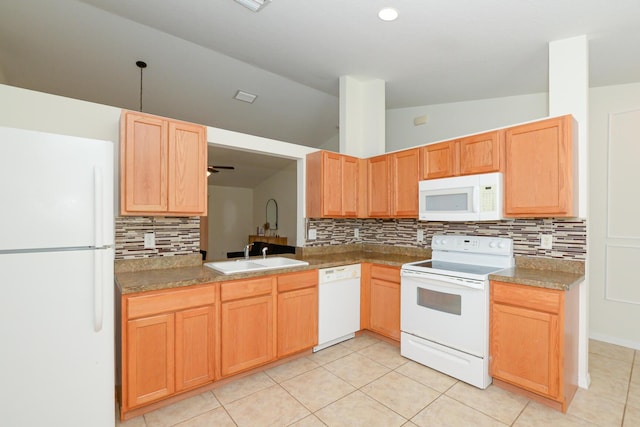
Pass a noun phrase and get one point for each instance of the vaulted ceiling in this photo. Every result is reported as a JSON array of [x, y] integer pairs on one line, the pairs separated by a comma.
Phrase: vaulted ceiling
[[292, 53]]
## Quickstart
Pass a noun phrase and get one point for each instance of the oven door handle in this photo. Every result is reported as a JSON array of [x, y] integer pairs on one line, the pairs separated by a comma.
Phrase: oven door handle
[[454, 282]]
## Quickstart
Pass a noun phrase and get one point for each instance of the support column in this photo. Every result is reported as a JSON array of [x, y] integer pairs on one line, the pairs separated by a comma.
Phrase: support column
[[362, 116], [569, 94]]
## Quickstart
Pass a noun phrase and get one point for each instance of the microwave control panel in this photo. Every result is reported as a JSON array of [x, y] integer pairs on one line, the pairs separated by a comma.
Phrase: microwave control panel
[[488, 196]]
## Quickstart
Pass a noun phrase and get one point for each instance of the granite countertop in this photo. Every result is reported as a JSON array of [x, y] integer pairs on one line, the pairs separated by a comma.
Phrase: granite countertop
[[547, 273], [142, 275]]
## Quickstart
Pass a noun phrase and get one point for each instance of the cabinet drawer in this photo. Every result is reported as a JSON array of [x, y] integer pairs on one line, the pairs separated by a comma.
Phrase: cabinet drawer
[[539, 299], [390, 274], [246, 288], [171, 300], [293, 281]]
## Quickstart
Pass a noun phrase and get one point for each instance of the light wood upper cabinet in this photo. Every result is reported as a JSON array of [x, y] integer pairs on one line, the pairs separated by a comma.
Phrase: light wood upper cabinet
[[539, 169], [481, 153], [297, 312], [532, 340], [439, 160], [163, 166], [405, 167], [350, 183], [378, 187], [331, 185]]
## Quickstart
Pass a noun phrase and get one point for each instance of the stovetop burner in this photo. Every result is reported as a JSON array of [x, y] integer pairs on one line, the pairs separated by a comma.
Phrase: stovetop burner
[[473, 257], [455, 267]]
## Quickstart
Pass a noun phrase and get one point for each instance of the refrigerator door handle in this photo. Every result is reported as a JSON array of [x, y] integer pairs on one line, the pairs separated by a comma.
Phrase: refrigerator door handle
[[98, 187], [98, 302]]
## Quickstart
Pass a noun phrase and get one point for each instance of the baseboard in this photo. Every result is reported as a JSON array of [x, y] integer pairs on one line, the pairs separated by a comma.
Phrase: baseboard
[[614, 340]]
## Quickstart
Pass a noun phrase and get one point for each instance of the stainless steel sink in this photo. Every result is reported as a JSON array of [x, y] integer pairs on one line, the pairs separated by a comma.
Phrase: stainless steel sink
[[258, 264]]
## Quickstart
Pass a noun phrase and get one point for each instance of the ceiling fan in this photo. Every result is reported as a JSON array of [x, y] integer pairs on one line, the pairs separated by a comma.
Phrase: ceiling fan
[[214, 169]]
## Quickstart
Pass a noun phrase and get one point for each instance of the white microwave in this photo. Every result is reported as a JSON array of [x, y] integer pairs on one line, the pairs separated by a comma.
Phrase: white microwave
[[461, 198]]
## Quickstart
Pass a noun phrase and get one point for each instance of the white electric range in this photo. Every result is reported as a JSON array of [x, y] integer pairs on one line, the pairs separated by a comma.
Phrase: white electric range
[[445, 305]]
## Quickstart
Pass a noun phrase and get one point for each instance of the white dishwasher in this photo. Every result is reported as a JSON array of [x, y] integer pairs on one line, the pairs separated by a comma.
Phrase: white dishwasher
[[338, 304]]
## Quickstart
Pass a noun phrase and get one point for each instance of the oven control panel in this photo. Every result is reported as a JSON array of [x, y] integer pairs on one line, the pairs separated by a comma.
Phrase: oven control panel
[[474, 244]]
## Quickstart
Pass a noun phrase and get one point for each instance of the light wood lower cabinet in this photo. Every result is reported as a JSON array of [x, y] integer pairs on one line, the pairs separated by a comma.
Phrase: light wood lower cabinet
[[168, 343], [150, 359], [380, 300], [533, 341], [297, 312], [195, 347], [246, 324]]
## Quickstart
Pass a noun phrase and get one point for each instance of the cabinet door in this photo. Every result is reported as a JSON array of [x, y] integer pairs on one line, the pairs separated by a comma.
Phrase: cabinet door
[[187, 173], [405, 167], [439, 160], [297, 320], [385, 308], [331, 184], [538, 177], [144, 153], [480, 153], [150, 364], [195, 339], [379, 187], [246, 334], [349, 186], [524, 348]]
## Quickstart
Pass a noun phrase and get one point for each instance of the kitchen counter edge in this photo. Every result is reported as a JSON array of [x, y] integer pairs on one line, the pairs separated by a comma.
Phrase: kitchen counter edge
[[558, 274], [130, 282], [531, 271]]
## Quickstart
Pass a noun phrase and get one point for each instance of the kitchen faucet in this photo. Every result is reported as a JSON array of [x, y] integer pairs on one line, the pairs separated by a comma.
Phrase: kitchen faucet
[[264, 252], [246, 250]]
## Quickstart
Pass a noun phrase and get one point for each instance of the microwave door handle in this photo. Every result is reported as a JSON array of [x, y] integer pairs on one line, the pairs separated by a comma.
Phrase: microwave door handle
[[476, 198]]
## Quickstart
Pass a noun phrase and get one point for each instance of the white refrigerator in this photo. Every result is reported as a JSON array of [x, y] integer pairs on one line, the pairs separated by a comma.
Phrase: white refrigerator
[[56, 280]]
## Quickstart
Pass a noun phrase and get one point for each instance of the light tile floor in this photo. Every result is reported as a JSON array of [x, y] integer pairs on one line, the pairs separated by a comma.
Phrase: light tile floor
[[365, 382]]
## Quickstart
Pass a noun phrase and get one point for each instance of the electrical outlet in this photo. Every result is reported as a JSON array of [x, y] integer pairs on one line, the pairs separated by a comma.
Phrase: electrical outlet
[[313, 235], [356, 233], [546, 241], [420, 236], [149, 240]]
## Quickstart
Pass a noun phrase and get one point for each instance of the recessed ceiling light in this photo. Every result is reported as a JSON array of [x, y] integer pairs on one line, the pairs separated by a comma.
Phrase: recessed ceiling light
[[254, 5], [388, 14], [245, 96]]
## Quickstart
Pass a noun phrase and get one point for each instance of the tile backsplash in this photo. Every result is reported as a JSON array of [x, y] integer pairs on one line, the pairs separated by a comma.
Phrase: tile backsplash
[[569, 235], [174, 236], [181, 236]]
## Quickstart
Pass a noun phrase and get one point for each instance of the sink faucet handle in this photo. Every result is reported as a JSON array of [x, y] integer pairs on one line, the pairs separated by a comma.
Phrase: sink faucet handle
[[246, 250], [264, 252]]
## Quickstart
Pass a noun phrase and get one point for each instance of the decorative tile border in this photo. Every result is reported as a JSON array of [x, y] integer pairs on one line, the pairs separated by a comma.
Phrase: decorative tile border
[[569, 235], [174, 236]]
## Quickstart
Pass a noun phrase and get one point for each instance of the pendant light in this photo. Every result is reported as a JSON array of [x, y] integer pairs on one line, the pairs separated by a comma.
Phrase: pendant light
[[142, 65]]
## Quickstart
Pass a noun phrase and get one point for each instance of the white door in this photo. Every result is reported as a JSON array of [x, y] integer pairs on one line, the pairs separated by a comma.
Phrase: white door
[[614, 209]]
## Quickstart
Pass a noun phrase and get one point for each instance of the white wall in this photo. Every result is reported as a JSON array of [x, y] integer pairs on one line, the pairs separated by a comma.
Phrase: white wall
[[446, 121], [27, 109], [281, 187], [609, 320], [230, 220]]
